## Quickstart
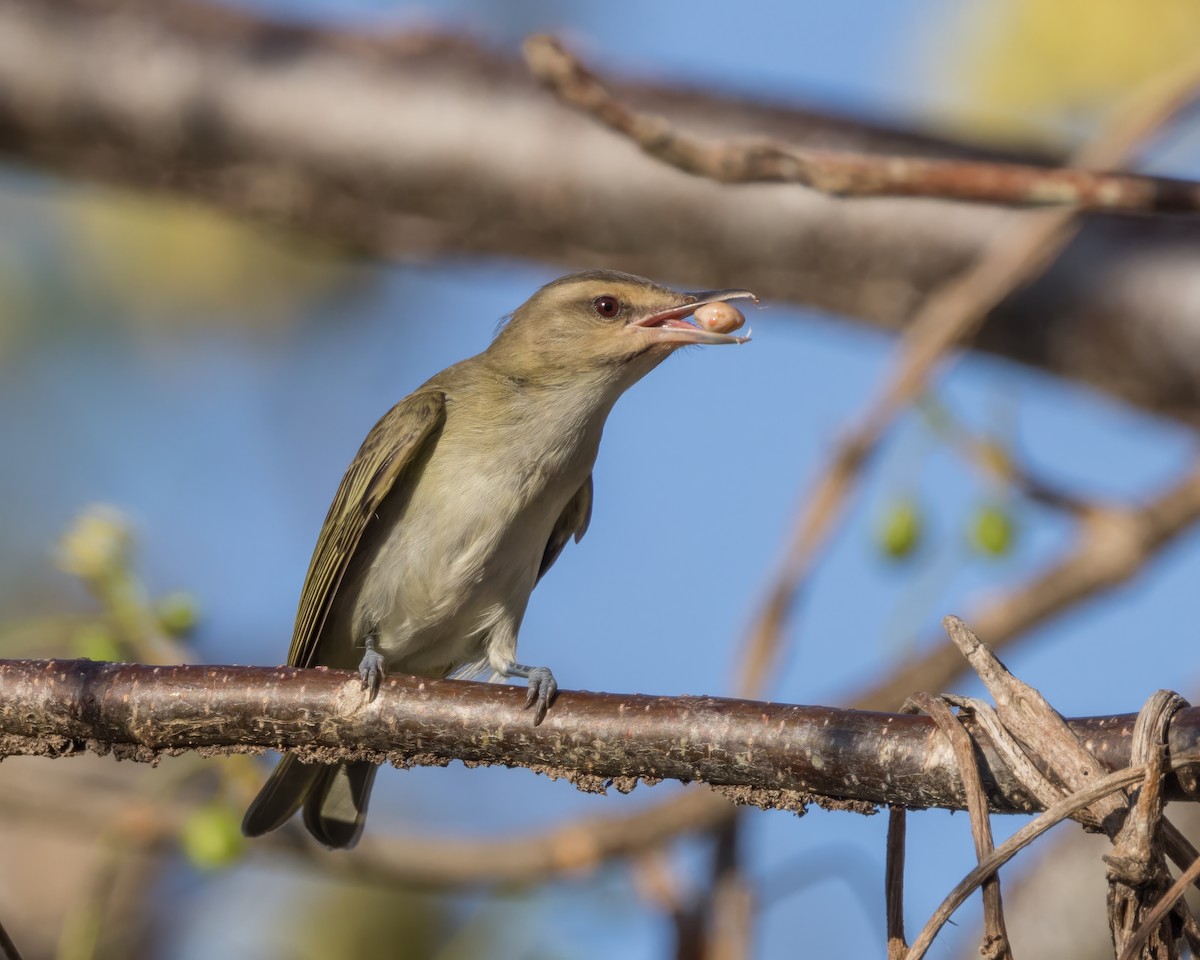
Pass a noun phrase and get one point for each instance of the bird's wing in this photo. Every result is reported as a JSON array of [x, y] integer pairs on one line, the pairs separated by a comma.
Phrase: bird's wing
[[394, 443], [572, 522]]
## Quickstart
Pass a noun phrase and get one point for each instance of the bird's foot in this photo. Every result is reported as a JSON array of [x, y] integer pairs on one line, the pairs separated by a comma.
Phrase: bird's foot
[[370, 670], [542, 687]]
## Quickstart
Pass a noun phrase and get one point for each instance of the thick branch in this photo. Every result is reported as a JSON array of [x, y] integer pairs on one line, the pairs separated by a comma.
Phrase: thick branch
[[416, 145], [769, 755]]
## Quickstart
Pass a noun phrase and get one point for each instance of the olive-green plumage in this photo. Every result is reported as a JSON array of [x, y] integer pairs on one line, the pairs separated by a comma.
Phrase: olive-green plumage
[[459, 500]]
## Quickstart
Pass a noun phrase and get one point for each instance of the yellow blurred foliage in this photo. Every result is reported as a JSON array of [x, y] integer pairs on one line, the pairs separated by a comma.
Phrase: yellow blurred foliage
[[1032, 65], [176, 258], [98, 543]]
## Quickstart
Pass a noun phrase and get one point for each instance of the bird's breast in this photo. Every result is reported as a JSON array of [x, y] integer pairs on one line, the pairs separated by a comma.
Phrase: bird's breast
[[462, 557]]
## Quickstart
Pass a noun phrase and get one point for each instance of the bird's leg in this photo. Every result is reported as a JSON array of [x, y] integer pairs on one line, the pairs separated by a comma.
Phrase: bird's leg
[[370, 668], [542, 687]]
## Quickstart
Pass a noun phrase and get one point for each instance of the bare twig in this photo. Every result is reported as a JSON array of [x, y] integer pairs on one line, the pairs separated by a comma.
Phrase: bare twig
[[846, 174], [995, 944], [996, 462], [893, 882], [1043, 731], [730, 902], [1027, 715]]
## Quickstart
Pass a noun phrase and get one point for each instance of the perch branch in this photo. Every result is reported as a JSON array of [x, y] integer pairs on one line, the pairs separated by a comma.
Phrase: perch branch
[[768, 755]]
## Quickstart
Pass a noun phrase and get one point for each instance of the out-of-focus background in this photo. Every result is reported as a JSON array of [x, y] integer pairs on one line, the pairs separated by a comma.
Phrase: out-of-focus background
[[196, 334]]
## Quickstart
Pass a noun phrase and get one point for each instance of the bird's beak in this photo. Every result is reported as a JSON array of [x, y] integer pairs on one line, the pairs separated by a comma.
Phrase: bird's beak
[[672, 326]]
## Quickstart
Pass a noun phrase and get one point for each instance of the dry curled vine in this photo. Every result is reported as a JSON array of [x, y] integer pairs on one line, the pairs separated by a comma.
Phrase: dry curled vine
[[1144, 915]]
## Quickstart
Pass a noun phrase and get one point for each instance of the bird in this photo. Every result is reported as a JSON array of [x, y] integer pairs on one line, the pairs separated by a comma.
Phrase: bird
[[459, 500]]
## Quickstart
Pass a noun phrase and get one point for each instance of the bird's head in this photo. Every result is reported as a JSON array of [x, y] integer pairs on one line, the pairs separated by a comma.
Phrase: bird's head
[[603, 323]]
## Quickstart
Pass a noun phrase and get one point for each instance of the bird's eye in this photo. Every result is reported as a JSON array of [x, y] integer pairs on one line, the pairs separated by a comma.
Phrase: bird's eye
[[607, 307]]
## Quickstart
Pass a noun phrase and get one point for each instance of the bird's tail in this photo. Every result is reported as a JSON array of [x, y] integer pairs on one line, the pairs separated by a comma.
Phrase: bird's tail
[[334, 797]]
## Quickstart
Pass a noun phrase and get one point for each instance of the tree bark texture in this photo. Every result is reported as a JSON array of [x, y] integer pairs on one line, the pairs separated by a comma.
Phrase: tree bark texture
[[768, 755]]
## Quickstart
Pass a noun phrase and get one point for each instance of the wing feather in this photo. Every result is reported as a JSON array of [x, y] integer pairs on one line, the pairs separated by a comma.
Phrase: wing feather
[[393, 444], [572, 522]]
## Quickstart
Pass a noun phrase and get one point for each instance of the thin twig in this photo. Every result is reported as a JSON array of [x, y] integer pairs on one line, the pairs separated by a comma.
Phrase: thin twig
[[996, 462], [844, 174], [893, 882], [995, 944], [729, 904]]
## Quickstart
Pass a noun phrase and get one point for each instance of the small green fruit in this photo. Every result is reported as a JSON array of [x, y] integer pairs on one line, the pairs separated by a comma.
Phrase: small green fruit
[[992, 531], [901, 530]]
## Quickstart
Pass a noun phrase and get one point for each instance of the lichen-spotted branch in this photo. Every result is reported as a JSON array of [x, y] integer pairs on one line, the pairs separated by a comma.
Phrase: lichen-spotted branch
[[765, 754]]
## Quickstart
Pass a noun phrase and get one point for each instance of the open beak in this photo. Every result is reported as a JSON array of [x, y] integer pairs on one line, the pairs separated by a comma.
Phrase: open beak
[[672, 325]]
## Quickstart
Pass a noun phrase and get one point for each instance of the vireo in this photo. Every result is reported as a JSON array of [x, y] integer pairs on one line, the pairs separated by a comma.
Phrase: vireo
[[458, 502]]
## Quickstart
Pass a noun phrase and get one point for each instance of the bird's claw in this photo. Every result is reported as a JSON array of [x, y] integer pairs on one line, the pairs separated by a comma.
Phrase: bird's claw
[[542, 688], [370, 670]]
